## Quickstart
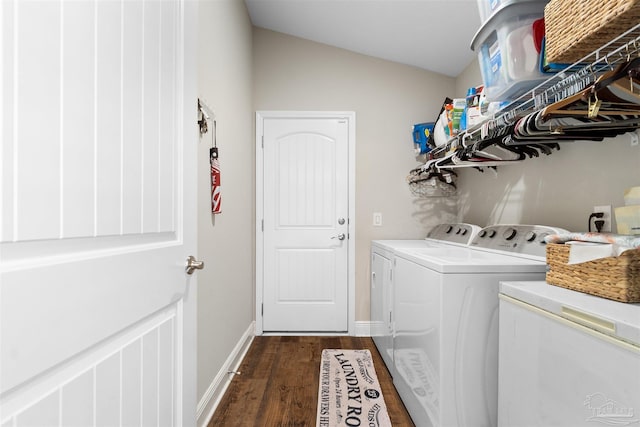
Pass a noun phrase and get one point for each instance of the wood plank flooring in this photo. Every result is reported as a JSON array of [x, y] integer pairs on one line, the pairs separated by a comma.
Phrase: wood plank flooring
[[278, 384]]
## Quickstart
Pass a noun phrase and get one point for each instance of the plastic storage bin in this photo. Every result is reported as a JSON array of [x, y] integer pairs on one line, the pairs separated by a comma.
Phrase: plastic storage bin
[[507, 53], [489, 7]]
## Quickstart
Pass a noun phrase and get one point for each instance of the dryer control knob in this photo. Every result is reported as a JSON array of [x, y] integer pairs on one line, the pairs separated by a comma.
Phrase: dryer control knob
[[530, 236], [492, 234], [448, 230], [482, 233], [463, 231], [509, 234]]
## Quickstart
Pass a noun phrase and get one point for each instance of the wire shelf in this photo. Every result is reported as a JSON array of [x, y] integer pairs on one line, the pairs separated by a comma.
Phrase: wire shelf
[[459, 151], [568, 82]]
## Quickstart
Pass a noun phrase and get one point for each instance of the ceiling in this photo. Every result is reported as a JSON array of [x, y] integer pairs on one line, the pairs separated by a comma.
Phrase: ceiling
[[434, 35]]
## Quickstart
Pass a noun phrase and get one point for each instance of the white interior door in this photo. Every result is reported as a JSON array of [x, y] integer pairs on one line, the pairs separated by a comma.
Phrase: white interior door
[[97, 315], [306, 224]]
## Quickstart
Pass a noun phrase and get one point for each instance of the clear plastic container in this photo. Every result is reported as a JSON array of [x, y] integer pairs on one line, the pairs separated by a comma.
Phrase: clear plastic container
[[507, 53], [488, 7]]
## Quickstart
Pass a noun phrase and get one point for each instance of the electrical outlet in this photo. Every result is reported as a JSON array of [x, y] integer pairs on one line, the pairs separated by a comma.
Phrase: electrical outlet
[[377, 219], [606, 209]]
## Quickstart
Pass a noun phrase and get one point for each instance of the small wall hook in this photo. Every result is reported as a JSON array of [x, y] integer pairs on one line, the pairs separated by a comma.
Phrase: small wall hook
[[205, 114]]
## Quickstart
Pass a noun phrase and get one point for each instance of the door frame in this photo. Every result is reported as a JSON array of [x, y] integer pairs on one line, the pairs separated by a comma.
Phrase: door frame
[[350, 116]]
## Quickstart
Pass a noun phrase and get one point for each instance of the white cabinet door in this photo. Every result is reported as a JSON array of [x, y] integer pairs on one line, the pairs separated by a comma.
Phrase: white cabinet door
[[97, 315], [306, 201], [555, 372]]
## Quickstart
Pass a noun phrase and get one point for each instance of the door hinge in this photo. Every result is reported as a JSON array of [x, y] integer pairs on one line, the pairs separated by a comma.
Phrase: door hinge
[[262, 310], [262, 225], [262, 141]]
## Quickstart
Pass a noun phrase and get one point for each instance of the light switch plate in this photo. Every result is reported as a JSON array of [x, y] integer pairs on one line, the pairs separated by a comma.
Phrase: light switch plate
[[377, 219]]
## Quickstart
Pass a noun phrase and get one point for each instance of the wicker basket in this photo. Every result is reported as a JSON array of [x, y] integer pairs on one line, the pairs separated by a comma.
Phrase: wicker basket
[[616, 278], [575, 28]]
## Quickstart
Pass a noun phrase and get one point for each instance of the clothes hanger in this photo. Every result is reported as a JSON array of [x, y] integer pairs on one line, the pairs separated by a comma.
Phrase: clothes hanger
[[623, 79], [622, 71], [559, 107], [623, 90], [587, 102]]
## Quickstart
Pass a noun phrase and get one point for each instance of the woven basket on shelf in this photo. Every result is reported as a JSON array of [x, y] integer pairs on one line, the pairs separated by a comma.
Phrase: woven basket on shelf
[[616, 278], [575, 28]]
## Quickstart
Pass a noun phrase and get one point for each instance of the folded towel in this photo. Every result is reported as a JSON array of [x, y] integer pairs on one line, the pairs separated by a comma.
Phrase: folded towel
[[588, 251], [589, 246]]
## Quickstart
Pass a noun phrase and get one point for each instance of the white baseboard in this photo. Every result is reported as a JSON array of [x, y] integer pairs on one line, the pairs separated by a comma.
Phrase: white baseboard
[[363, 329], [217, 388]]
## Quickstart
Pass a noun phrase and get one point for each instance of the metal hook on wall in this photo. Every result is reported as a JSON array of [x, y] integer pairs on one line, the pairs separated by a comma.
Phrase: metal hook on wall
[[205, 114]]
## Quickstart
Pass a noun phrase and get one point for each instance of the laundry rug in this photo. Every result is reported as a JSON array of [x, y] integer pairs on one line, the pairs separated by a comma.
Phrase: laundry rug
[[349, 393]]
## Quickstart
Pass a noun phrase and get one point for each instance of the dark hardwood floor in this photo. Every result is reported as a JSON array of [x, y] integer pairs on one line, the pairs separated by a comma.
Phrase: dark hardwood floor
[[278, 384]]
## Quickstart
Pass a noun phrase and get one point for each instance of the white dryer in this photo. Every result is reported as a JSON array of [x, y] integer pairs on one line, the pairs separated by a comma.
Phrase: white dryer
[[446, 322], [382, 253]]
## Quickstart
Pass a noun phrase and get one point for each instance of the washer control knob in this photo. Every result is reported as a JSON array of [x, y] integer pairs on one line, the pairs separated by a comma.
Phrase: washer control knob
[[492, 234], [509, 234], [530, 236], [463, 231], [482, 233], [459, 231], [449, 228]]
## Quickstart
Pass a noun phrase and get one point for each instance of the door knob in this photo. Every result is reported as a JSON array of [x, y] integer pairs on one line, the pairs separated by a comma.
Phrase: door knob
[[193, 264], [340, 236]]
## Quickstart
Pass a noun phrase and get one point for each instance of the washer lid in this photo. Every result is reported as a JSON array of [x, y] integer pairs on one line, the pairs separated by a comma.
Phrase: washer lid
[[393, 245], [618, 319], [454, 259]]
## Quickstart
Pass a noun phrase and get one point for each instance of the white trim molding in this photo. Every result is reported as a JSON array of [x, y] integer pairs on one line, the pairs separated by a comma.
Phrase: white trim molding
[[363, 328], [212, 397]]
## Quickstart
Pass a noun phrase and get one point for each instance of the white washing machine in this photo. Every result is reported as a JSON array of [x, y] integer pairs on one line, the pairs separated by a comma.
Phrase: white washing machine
[[382, 253], [567, 358], [446, 322]]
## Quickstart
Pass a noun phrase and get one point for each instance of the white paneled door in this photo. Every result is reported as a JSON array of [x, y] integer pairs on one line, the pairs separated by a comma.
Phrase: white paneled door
[[305, 211], [98, 130]]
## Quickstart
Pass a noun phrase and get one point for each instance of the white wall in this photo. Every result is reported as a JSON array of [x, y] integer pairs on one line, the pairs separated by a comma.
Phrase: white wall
[[559, 190], [469, 77], [294, 74], [225, 241]]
